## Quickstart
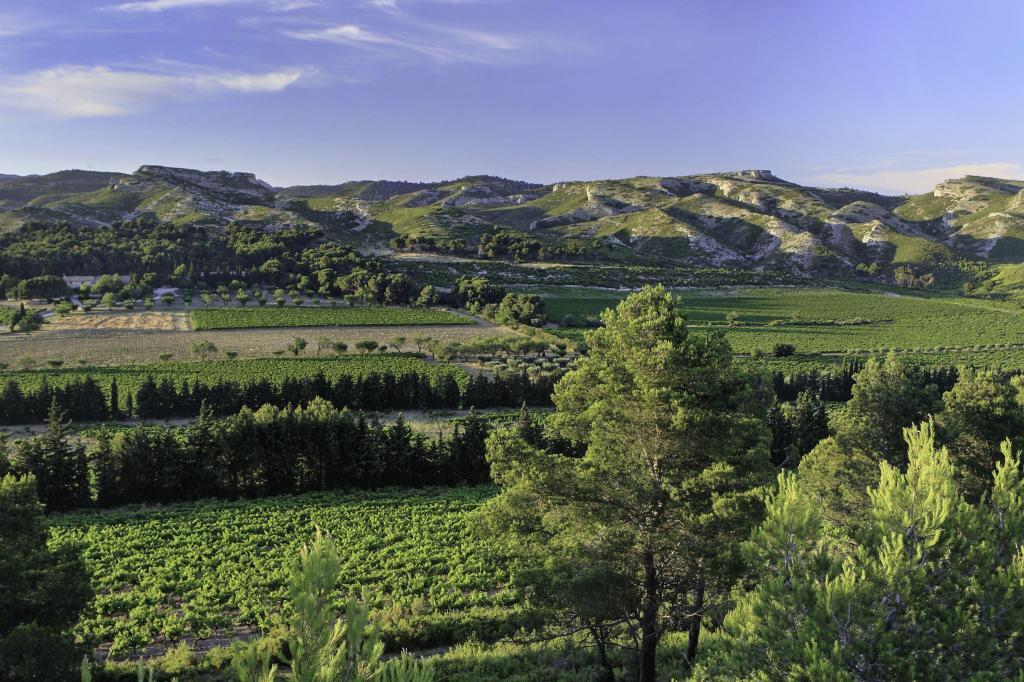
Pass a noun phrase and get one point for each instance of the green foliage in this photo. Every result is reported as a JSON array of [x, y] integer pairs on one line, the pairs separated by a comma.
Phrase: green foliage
[[980, 411], [242, 371], [930, 588], [186, 570], [520, 308], [797, 427], [883, 321], [234, 318], [21, 319], [321, 647], [43, 286], [43, 591], [675, 449], [888, 396], [56, 463]]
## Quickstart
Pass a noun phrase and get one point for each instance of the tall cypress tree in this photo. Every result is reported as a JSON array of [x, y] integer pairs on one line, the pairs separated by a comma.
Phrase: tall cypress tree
[[115, 402]]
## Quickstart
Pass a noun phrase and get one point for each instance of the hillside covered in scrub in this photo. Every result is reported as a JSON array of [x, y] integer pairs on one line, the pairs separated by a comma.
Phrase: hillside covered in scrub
[[746, 219]]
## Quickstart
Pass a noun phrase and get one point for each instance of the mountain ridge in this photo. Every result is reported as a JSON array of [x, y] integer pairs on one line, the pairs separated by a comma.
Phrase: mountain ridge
[[745, 218]]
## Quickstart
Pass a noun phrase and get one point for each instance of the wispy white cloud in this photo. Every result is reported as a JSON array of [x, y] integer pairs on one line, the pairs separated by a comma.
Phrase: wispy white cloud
[[75, 91], [442, 44], [291, 5], [17, 24], [914, 180], [164, 5]]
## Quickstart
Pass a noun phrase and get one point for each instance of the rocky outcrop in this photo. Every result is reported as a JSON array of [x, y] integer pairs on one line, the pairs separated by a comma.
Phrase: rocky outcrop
[[597, 206], [684, 187], [481, 194], [221, 183]]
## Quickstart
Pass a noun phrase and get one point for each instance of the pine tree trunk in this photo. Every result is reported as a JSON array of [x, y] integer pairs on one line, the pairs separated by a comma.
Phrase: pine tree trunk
[[649, 620], [698, 608]]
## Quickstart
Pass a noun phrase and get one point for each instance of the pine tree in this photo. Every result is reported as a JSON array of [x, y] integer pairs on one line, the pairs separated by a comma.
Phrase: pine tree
[[640, 532], [931, 588]]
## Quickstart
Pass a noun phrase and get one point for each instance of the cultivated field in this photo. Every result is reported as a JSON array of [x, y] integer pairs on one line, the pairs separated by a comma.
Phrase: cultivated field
[[204, 570], [818, 320], [110, 346], [121, 321], [248, 318], [274, 370]]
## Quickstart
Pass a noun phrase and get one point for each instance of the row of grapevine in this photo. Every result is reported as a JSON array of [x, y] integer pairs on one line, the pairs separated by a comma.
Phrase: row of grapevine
[[247, 318], [196, 570]]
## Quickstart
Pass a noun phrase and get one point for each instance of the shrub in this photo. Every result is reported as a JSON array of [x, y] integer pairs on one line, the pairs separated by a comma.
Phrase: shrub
[[783, 350]]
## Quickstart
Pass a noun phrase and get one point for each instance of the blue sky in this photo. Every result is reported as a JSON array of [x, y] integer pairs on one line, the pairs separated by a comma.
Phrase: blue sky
[[887, 95]]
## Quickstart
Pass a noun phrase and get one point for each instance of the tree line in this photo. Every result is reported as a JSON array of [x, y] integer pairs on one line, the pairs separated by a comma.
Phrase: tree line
[[85, 400], [836, 385], [255, 453]]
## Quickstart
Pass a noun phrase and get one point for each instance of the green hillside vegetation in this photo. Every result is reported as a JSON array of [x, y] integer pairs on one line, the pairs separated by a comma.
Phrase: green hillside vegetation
[[739, 220]]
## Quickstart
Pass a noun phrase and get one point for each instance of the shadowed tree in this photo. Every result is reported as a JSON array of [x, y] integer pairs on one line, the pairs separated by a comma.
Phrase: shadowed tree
[[43, 591]]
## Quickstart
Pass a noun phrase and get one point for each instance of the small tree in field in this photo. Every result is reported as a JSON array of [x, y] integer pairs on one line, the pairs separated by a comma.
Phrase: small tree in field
[[367, 346], [322, 343], [297, 345], [204, 348], [339, 347]]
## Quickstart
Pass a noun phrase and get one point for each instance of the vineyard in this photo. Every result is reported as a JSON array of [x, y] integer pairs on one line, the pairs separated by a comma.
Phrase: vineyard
[[250, 318], [984, 357], [273, 370], [825, 320], [195, 571]]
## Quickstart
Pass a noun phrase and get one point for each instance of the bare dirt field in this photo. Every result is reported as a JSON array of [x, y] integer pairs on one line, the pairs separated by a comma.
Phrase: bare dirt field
[[177, 320], [113, 345]]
